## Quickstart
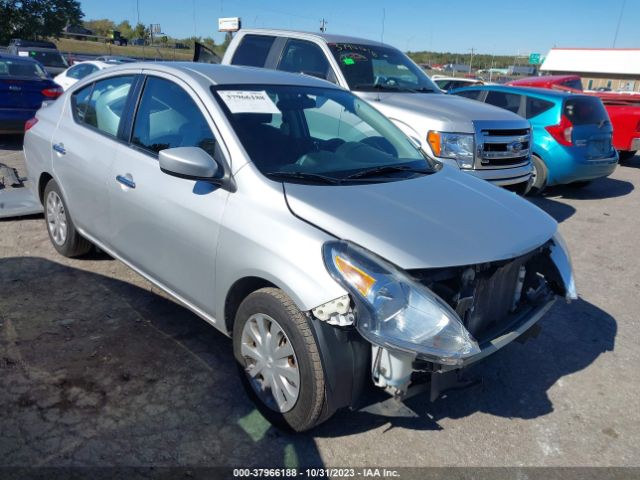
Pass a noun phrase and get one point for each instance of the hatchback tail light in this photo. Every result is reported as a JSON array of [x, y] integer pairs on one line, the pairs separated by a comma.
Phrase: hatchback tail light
[[30, 123], [562, 131], [53, 92]]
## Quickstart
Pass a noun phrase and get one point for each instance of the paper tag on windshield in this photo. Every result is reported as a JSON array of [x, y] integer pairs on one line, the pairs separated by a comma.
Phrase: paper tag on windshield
[[23, 54], [248, 101]]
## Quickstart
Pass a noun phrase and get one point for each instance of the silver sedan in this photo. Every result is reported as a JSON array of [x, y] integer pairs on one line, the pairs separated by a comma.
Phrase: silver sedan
[[295, 218]]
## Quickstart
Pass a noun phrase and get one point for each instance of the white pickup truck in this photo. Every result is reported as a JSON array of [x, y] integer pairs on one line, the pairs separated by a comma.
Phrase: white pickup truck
[[485, 141]]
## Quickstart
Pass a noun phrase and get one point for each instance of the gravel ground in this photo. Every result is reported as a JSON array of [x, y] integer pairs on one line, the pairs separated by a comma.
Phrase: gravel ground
[[97, 367]]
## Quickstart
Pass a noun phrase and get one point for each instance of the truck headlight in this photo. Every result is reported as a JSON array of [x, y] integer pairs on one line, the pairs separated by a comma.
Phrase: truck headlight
[[399, 312], [458, 146]]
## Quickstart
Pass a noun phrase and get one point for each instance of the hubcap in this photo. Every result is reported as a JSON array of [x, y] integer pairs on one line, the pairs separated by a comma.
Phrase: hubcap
[[56, 218], [270, 363]]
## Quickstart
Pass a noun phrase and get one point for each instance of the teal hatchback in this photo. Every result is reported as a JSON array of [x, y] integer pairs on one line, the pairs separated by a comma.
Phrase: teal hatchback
[[571, 132]]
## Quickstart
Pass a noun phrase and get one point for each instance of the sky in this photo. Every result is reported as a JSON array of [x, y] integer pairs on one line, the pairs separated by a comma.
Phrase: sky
[[488, 26]]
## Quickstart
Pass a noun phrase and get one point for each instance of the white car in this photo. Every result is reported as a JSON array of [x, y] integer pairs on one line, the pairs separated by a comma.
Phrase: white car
[[78, 71]]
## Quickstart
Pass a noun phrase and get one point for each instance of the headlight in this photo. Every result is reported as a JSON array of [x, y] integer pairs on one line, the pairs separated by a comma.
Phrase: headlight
[[394, 310], [459, 146]]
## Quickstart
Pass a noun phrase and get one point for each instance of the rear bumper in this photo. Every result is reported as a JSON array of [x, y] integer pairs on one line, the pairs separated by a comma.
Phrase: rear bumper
[[12, 120], [565, 168]]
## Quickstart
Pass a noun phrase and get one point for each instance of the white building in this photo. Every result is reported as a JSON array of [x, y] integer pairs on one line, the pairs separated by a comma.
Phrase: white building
[[615, 68]]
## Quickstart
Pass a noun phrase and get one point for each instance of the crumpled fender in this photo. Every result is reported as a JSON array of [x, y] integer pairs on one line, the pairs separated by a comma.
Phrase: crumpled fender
[[562, 260]]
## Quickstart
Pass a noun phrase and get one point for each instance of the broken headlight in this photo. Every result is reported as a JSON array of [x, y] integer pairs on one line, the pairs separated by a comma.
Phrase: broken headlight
[[398, 312]]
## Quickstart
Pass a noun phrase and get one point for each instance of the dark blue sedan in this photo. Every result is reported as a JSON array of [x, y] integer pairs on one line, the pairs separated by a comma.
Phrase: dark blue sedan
[[24, 85]]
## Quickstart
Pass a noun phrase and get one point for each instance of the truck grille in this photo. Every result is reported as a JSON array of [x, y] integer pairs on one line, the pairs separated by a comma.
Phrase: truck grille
[[503, 148]]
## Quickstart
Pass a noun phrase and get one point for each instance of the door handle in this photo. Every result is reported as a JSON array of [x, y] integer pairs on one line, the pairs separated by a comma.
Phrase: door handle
[[128, 182], [59, 147]]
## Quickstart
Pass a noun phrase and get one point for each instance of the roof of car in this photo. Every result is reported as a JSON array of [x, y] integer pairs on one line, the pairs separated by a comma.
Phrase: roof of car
[[539, 92], [228, 74], [327, 37]]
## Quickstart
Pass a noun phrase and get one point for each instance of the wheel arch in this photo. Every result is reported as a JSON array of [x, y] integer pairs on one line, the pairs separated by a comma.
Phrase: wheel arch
[[45, 177], [240, 290]]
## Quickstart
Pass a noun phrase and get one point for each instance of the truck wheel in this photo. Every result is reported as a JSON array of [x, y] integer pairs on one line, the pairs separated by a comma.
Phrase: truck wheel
[[540, 173], [626, 155], [62, 233], [278, 360]]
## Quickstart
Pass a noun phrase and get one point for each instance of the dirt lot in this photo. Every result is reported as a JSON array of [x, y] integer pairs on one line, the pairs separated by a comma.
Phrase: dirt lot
[[99, 368]]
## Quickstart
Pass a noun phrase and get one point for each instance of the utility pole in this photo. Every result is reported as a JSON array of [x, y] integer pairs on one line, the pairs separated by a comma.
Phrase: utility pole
[[615, 37], [323, 25], [471, 59]]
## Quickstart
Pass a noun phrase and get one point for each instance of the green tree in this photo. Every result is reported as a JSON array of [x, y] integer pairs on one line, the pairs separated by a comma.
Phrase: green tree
[[32, 19], [125, 29], [102, 27], [140, 31]]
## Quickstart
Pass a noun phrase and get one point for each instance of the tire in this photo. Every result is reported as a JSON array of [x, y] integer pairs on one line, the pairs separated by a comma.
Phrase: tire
[[626, 155], [540, 173], [278, 311], [62, 233]]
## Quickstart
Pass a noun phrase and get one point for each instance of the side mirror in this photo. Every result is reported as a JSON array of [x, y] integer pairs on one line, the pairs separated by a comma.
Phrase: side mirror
[[188, 162]]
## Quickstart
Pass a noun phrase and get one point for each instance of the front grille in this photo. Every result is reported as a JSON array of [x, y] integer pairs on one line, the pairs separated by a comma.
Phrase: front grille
[[488, 296], [503, 148]]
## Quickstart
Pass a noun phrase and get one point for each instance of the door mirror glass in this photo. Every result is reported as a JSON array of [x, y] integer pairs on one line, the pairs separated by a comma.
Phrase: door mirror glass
[[188, 162]]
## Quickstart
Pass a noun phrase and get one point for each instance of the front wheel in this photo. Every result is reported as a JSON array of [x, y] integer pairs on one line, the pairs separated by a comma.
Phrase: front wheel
[[278, 360]]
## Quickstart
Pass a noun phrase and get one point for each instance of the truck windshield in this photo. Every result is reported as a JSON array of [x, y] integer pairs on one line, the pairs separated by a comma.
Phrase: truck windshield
[[318, 135], [373, 67]]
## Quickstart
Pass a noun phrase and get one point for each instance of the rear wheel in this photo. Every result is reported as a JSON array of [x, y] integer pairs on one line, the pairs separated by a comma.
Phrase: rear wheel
[[62, 233], [539, 176], [278, 360], [626, 155]]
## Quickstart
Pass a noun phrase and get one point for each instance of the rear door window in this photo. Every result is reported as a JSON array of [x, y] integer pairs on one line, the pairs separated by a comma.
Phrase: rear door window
[[585, 110], [301, 56], [576, 84], [102, 108], [253, 50], [508, 101], [536, 106]]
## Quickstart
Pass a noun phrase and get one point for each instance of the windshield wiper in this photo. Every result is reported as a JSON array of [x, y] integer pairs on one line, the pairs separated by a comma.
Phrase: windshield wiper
[[304, 176], [375, 171]]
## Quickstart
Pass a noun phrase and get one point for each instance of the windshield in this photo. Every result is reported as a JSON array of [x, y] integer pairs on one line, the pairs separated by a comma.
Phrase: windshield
[[21, 68], [48, 58], [370, 67], [318, 135]]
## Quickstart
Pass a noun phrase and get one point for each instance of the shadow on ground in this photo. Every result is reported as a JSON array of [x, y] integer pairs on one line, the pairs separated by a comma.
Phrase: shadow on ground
[[11, 142], [598, 189], [96, 371]]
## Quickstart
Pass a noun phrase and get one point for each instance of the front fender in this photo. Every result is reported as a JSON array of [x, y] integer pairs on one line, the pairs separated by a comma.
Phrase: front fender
[[562, 260]]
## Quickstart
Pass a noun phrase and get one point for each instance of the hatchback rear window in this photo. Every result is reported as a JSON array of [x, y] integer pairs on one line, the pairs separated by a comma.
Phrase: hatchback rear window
[[585, 110], [49, 58], [21, 68]]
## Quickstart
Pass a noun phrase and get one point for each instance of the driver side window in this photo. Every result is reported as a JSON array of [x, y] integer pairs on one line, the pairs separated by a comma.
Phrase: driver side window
[[300, 56], [168, 117]]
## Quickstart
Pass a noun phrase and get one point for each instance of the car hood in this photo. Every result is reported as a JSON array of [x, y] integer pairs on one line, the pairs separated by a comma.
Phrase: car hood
[[445, 219], [450, 110]]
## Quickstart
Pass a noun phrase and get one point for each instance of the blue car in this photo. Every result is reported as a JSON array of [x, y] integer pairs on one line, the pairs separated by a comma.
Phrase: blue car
[[571, 132], [24, 85]]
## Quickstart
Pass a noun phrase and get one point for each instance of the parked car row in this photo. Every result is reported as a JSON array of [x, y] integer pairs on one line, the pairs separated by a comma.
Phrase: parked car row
[[571, 133]]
